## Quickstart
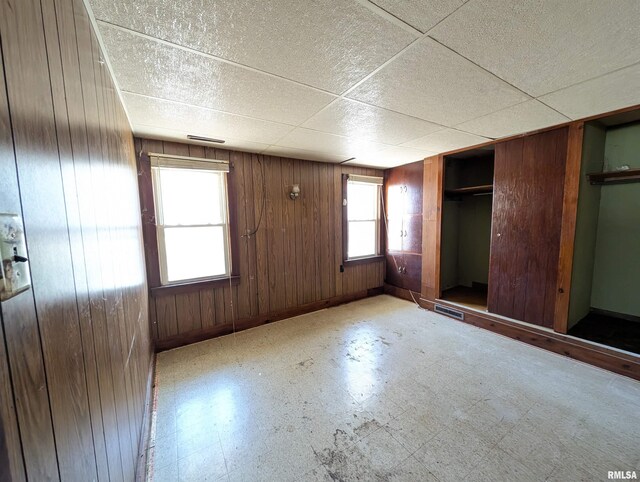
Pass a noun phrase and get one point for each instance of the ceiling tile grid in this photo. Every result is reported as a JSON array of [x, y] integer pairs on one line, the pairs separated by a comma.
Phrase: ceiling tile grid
[[329, 45], [431, 82], [329, 81], [156, 69], [525, 117], [179, 135], [446, 140], [544, 45], [301, 138], [420, 14], [200, 121], [356, 119], [606, 93]]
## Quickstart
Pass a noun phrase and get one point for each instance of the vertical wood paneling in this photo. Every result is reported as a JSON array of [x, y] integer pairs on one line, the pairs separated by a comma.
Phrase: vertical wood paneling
[[526, 226], [275, 238], [250, 241], [68, 111], [92, 209], [22, 340], [78, 342], [294, 257], [432, 218], [39, 172], [110, 268], [188, 312], [289, 241], [260, 238], [308, 232], [244, 294]]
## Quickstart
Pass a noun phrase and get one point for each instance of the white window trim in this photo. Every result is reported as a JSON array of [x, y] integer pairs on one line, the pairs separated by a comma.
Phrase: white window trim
[[378, 181], [160, 161]]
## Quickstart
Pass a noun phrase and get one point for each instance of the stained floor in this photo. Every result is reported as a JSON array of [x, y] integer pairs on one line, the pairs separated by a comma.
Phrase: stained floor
[[381, 390]]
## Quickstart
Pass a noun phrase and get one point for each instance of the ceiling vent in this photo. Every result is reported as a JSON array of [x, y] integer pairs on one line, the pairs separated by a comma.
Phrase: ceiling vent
[[205, 139]]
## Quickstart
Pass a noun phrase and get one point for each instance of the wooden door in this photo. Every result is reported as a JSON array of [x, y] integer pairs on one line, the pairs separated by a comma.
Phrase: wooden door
[[526, 226]]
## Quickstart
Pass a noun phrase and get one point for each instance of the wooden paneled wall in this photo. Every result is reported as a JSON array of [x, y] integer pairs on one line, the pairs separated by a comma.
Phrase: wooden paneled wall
[[291, 265], [75, 352]]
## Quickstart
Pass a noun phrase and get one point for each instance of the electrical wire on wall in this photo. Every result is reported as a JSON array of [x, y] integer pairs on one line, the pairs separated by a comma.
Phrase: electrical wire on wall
[[264, 200], [247, 236]]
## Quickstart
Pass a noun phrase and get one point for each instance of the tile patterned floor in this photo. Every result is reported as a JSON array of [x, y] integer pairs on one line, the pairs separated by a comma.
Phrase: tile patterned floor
[[381, 390]]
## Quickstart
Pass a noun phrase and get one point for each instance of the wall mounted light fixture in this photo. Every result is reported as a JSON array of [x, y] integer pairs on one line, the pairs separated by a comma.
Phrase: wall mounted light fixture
[[295, 192]]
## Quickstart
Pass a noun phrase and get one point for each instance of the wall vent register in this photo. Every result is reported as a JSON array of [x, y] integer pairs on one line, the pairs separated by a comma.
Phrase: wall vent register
[[445, 310]]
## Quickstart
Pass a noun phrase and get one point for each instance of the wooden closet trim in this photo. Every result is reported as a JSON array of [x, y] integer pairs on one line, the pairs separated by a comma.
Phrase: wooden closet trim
[[432, 225], [568, 225]]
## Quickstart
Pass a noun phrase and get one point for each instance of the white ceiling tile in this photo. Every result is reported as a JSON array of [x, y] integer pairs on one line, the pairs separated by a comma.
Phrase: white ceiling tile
[[543, 45], [311, 140], [354, 119], [391, 157], [201, 121], [447, 140], [517, 119], [156, 69], [329, 45], [177, 135], [609, 92], [319, 156], [431, 82], [420, 14]]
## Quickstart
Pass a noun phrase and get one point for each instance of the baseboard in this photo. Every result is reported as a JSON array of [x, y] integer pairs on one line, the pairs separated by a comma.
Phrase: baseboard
[[244, 324], [612, 359], [403, 293], [145, 430]]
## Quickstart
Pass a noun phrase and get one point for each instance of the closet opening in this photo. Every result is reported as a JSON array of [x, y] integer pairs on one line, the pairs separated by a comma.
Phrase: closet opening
[[605, 296], [466, 227]]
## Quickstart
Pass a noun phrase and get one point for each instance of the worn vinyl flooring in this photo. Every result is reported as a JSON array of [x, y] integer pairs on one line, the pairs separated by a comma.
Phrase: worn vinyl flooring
[[379, 389]]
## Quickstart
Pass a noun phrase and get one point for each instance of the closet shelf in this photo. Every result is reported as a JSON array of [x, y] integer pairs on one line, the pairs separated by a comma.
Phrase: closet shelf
[[615, 177], [484, 189]]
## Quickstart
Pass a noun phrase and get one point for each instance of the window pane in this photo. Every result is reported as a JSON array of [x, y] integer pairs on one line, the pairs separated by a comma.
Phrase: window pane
[[195, 252], [362, 239], [190, 196], [362, 201]]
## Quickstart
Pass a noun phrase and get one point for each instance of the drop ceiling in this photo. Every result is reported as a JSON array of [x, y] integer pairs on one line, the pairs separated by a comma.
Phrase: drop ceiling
[[386, 82]]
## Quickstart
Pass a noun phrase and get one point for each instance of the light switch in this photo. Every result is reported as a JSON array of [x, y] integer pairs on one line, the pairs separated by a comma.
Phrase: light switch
[[14, 276]]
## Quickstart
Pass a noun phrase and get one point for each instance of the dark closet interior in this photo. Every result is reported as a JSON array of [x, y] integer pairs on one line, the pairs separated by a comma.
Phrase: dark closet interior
[[604, 305], [466, 227]]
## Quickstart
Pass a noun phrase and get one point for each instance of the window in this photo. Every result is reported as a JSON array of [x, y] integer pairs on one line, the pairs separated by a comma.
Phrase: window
[[192, 219], [363, 217]]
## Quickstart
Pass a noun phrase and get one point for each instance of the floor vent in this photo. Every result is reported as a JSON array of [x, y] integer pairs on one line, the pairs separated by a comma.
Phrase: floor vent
[[445, 310]]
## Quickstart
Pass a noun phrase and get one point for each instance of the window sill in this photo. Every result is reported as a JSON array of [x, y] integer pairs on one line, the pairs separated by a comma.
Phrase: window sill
[[190, 287], [358, 261]]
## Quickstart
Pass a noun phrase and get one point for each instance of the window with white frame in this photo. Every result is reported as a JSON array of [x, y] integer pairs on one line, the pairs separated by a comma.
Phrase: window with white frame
[[191, 218], [363, 216]]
